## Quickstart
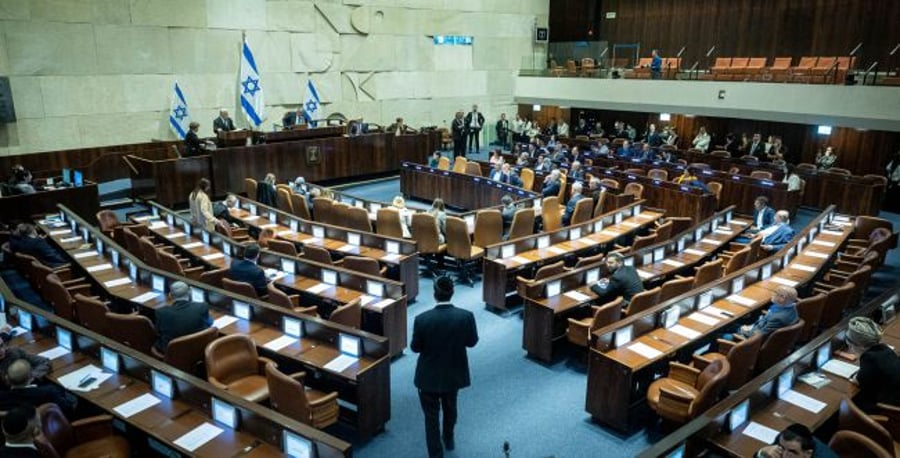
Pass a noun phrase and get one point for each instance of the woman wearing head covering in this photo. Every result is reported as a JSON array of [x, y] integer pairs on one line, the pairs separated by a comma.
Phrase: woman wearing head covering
[[879, 365]]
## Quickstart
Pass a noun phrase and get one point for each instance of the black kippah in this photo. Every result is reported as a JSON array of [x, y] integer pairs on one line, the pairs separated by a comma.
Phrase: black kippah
[[17, 420]]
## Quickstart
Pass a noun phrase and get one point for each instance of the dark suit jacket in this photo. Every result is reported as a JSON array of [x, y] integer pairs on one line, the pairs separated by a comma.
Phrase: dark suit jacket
[[878, 377], [777, 318], [550, 189], [223, 124], [248, 272], [265, 194], [180, 319], [441, 336], [570, 208], [192, 144], [469, 120], [40, 366], [508, 213], [515, 180], [459, 127], [35, 396], [19, 452], [759, 151], [291, 118], [500, 176], [37, 247], [767, 219], [624, 282]]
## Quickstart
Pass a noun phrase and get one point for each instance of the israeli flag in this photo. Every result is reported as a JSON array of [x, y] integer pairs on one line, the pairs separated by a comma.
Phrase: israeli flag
[[252, 100], [311, 103], [178, 114]]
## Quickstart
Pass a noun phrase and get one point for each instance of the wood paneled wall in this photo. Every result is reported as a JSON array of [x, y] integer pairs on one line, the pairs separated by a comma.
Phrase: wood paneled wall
[[547, 113], [767, 28]]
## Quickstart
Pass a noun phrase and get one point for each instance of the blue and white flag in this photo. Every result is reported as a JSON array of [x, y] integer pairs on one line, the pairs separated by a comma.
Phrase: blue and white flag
[[178, 114], [311, 104], [252, 100]]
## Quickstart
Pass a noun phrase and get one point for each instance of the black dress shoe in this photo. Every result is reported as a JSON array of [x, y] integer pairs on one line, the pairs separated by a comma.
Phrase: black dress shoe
[[449, 444]]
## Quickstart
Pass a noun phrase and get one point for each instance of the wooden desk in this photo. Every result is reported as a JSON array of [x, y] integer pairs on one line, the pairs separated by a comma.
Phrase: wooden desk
[[618, 376], [167, 181], [851, 194], [84, 200], [458, 190], [302, 133]]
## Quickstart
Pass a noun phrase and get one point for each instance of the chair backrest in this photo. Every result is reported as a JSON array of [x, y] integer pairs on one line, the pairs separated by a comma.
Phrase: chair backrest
[[825, 62], [634, 171], [214, 277], [781, 63], [362, 264], [36, 272], [609, 183], [339, 214], [598, 207], [488, 227], [91, 313], [850, 444], [664, 231], [642, 241], [550, 270], [473, 168], [742, 360], [643, 301], [231, 358], [720, 153], [444, 163], [810, 310], [56, 429], [588, 260], [722, 62], [169, 263], [738, 261], [458, 243], [852, 418], [757, 63], [358, 219], [59, 298], [527, 176], [288, 395], [835, 302], [459, 164], [583, 210], [710, 384], [522, 223], [283, 247], [550, 213], [186, 352], [708, 272], [349, 314], [739, 62], [149, 253], [864, 225], [761, 174], [806, 62], [424, 230], [838, 171], [322, 209], [608, 314], [239, 287], [675, 287], [283, 200], [279, 297], [108, 220], [317, 254], [658, 174], [135, 331], [561, 195], [779, 344], [250, 188], [388, 222], [300, 206]]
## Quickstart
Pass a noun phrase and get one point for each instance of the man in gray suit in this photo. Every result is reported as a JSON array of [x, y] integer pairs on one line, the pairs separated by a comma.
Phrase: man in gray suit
[[782, 313]]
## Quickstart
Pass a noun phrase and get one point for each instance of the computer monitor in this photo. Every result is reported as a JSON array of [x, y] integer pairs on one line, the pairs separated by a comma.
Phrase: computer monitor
[[78, 178], [66, 175], [298, 447], [350, 345]]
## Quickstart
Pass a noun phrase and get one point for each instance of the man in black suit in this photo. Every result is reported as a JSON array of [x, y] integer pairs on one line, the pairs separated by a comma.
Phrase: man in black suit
[[25, 240], [193, 146], [551, 184], [502, 129], [40, 366], [22, 390], [508, 212], [622, 281], [474, 123], [247, 271], [292, 118], [20, 426], [441, 336], [458, 129], [573, 201], [223, 122], [757, 148], [181, 318]]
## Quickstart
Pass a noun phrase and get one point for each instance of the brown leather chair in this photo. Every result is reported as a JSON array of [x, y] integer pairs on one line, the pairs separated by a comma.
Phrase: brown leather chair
[[369, 266], [527, 176], [86, 438], [675, 287], [761, 174], [424, 230], [214, 277], [850, 444], [737, 262], [546, 271], [135, 331], [589, 260], [888, 416], [664, 231], [283, 200], [687, 391], [810, 311], [349, 314], [186, 353], [290, 302], [642, 301], [322, 209], [339, 215], [708, 272], [232, 364], [37, 273], [238, 234], [598, 206], [250, 188], [132, 240], [579, 331], [473, 168], [639, 242], [522, 224], [852, 418], [460, 248], [91, 313], [283, 247], [583, 210], [836, 301], [289, 397], [239, 287], [716, 188], [778, 344], [552, 219], [358, 219], [387, 222], [459, 164], [634, 189], [864, 225], [170, 263], [609, 183], [658, 174], [741, 356], [488, 228], [300, 206], [562, 188], [317, 254], [108, 221], [60, 297]]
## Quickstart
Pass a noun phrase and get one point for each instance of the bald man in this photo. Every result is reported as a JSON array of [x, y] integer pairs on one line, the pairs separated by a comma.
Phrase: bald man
[[23, 390], [782, 313], [223, 122]]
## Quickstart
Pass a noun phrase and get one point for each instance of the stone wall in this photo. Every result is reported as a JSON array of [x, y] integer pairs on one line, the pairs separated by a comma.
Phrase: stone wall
[[100, 72]]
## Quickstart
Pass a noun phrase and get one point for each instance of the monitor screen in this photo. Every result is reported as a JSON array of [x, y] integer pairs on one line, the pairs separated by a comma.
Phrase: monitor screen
[[78, 178], [110, 359], [162, 384], [66, 176], [224, 413], [296, 446], [738, 415], [64, 337], [350, 345]]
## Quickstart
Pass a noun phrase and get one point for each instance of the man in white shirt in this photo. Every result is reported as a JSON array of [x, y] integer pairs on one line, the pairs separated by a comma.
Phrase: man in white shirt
[[562, 129], [474, 123]]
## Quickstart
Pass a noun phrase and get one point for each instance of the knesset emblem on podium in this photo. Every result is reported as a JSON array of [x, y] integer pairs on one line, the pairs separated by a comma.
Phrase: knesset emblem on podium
[[313, 156]]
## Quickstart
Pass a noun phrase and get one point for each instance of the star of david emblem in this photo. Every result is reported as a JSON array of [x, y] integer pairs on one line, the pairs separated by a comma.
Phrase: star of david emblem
[[311, 106], [250, 86], [180, 112]]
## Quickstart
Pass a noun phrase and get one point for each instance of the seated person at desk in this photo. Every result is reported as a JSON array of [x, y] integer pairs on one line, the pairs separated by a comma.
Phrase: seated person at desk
[[796, 441], [576, 172], [595, 189], [763, 215], [181, 318], [646, 153], [222, 210], [544, 164], [293, 118], [573, 200], [879, 365], [266, 191], [514, 179], [21, 182], [507, 211], [439, 211], [399, 128], [223, 123], [298, 186], [689, 178], [246, 270], [782, 313], [26, 240], [551, 184], [399, 203], [501, 172], [778, 234], [622, 281], [435, 160], [22, 390], [21, 426], [193, 146], [40, 366], [626, 150]]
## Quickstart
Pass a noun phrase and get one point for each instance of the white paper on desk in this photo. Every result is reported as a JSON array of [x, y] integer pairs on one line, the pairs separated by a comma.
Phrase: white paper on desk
[[60, 232], [312, 240], [803, 401], [520, 260], [85, 254], [557, 250], [703, 318], [284, 233], [55, 352], [141, 219], [382, 303], [644, 350], [365, 299], [224, 321], [673, 263], [685, 331], [99, 267], [198, 436], [213, 256], [840, 223], [630, 224], [250, 218], [341, 363], [280, 343], [274, 275], [268, 226], [741, 300], [760, 432], [175, 235], [146, 297], [802, 267], [609, 233], [318, 288], [784, 281], [695, 252], [715, 311], [136, 405], [815, 254], [72, 380], [724, 231], [841, 218], [391, 257], [644, 275], [117, 282], [188, 246], [840, 368], [822, 243], [585, 241], [70, 239], [158, 225], [347, 247], [710, 241], [836, 233], [578, 296]]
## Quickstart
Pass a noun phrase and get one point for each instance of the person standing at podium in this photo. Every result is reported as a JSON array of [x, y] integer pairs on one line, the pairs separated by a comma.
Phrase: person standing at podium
[[223, 122]]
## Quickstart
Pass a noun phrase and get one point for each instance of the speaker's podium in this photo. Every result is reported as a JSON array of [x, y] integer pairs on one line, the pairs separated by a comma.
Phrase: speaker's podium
[[167, 181], [242, 137]]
